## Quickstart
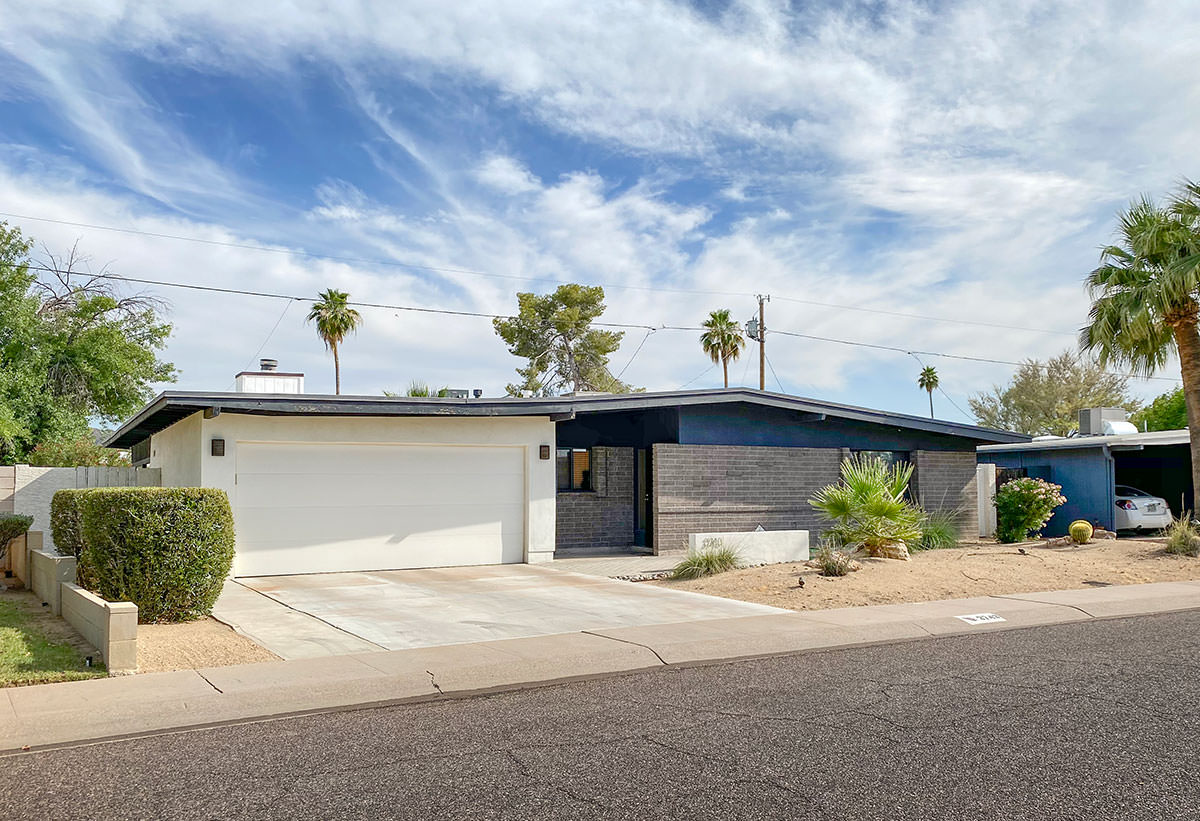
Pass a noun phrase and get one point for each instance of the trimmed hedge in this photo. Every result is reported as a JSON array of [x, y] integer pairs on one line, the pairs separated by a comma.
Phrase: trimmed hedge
[[12, 526], [65, 524], [167, 550]]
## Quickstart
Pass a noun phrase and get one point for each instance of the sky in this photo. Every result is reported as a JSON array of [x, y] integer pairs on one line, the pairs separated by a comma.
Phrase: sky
[[932, 177]]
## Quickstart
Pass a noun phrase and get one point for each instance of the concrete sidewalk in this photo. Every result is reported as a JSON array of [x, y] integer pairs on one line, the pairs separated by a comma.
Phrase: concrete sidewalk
[[53, 714]]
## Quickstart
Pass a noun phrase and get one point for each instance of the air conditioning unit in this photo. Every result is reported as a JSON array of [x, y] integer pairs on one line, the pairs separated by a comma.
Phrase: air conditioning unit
[[1104, 422]]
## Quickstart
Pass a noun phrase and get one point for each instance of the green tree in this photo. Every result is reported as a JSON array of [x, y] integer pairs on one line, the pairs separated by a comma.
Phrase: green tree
[[928, 381], [1146, 298], [335, 319], [1166, 412], [1044, 398], [554, 332], [722, 340], [73, 349]]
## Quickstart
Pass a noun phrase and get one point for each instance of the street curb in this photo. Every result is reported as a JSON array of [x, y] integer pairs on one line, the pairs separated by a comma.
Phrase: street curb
[[97, 711]]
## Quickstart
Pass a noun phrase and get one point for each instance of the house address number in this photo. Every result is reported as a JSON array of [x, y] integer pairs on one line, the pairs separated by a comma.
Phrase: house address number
[[981, 618]]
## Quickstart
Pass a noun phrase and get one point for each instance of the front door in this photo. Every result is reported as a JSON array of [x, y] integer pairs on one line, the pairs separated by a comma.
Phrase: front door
[[643, 535]]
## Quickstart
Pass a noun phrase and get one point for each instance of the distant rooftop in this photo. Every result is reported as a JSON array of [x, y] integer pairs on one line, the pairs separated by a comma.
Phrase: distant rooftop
[[1154, 437]]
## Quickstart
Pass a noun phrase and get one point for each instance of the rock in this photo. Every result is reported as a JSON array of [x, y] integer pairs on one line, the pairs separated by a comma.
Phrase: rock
[[892, 550], [1097, 533]]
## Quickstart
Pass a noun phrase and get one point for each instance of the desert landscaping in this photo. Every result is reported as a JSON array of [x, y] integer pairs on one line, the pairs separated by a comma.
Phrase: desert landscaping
[[971, 569]]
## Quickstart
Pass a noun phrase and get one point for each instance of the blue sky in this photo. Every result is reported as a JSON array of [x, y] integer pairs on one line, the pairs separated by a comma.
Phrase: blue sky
[[960, 161]]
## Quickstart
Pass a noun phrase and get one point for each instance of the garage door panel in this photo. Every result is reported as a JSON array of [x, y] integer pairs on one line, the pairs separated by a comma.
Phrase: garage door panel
[[311, 508], [262, 524], [427, 550], [364, 490], [387, 459]]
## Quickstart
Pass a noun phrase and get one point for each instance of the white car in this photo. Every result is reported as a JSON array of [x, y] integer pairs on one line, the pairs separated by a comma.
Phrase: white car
[[1138, 510]]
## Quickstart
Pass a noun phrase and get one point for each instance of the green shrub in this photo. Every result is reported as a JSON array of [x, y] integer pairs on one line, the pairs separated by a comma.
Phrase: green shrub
[[706, 563], [868, 507], [833, 562], [167, 550], [1080, 531], [1183, 537], [65, 525], [1023, 506], [940, 530], [12, 526]]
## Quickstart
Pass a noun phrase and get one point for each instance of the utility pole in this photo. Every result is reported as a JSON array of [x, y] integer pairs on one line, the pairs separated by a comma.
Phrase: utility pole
[[756, 329], [762, 343]]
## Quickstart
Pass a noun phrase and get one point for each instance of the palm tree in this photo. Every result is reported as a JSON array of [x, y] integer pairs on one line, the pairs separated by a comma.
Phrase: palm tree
[[928, 381], [335, 319], [722, 339], [1146, 298]]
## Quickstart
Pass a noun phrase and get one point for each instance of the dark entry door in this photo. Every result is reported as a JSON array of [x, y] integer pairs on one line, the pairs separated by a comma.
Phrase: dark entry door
[[643, 533]]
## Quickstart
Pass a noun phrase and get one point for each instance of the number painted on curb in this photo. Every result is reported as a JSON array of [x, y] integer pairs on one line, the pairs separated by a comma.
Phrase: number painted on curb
[[981, 618]]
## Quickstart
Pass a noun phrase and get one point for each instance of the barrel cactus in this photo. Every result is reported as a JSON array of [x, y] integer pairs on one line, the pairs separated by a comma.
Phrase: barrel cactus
[[1080, 531]]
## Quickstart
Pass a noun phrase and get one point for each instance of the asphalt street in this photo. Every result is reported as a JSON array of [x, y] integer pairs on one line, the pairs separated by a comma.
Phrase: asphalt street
[[1095, 720]]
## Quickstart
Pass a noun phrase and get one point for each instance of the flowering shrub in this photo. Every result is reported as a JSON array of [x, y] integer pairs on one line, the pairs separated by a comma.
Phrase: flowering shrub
[[1024, 506]]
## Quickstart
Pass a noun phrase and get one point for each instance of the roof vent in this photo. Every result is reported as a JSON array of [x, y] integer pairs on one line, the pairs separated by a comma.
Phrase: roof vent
[[265, 365]]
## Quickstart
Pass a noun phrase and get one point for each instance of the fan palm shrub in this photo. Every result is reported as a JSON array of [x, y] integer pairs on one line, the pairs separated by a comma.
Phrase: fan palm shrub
[[868, 507]]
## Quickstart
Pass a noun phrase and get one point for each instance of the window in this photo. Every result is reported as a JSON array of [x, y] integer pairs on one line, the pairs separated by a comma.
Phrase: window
[[891, 457], [574, 469]]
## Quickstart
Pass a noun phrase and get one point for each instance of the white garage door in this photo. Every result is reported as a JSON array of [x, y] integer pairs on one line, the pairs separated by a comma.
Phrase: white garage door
[[314, 508]]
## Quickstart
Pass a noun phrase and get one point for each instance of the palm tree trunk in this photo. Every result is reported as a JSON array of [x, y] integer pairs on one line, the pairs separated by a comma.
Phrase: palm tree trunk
[[725, 368], [930, 403], [337, 371], [1187, 340]]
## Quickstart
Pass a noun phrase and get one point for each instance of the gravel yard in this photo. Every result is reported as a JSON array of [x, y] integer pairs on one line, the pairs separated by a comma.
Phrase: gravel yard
[[972, 569], [188, 645]]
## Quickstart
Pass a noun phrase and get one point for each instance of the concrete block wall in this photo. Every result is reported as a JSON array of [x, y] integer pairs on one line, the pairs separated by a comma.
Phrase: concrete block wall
[[110, 627], [945, 480], [730, 488], [48, 571], [603, 517]]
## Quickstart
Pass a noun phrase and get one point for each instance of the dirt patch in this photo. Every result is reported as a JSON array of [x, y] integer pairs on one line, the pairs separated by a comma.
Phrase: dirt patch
[[186, 646], [980, 569]]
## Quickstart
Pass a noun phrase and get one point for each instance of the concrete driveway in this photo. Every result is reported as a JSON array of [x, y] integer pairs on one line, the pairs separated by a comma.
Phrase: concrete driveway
[[337, 613]]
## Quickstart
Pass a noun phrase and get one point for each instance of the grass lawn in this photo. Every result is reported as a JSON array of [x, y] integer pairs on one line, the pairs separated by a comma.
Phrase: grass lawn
[[35, 647]]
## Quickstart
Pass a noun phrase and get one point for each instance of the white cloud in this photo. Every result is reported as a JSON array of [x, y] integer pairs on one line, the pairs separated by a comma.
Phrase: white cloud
[[987, 146]]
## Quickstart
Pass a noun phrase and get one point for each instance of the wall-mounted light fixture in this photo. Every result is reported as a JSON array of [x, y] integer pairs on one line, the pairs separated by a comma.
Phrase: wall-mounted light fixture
[[218, 447], [544, 452]]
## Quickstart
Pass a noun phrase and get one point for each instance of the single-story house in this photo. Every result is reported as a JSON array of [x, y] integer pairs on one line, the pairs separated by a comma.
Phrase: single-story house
[[1089, 468], [331, 483]]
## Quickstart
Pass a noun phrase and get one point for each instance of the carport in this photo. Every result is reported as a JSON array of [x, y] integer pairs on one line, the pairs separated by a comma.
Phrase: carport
[[1090, 467]]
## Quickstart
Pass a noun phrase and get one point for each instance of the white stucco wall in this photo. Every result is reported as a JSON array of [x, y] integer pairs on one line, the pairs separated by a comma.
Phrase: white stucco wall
[[183, 451], [35, 489], [176, 452]]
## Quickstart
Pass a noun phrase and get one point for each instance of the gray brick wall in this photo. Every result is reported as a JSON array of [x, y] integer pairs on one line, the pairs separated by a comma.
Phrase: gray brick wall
[[603, 517], [721, 489], [945, 480]]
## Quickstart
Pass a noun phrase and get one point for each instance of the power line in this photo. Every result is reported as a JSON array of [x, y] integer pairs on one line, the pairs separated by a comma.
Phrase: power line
[[635, 353], [641, 326], [286, 306], [520, 277], [700, 375], [777, 381], [943, 393], [924, 317]]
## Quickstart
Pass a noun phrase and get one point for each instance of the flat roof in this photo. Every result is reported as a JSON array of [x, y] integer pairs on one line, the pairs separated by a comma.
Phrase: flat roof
[[171, 406], [1131, 440]]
